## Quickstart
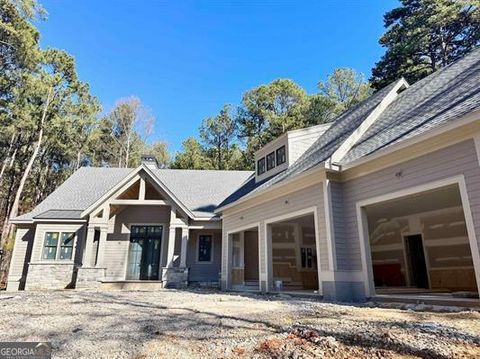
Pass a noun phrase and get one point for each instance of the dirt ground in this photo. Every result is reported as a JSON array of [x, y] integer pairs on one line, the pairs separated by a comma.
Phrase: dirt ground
[[205, 324]]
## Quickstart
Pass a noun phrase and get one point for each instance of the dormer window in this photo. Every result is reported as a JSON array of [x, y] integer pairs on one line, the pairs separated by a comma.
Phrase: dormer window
[[277, 155], [261, 166], [270, 161], [281, 156]]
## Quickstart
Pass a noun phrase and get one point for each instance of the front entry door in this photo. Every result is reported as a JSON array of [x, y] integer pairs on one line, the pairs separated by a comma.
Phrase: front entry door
[[144, 252]]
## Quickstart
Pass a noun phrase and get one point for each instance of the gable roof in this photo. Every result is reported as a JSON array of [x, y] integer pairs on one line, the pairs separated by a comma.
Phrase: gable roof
[[438, 99], [442, 97], [199, 191], [322, 149]]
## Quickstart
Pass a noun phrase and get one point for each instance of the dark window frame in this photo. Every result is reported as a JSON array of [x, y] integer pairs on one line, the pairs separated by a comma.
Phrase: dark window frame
[[59, 246], [261, 166], [270, 165], [200, 256], [63, 237], [284, 156]]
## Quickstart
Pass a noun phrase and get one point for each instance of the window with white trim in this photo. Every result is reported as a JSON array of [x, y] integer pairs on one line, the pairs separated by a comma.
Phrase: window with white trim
[[58, 245], [205, 246]]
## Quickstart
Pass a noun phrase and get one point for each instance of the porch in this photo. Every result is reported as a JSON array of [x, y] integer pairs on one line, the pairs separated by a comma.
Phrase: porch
[[140, 238], [285, 261]]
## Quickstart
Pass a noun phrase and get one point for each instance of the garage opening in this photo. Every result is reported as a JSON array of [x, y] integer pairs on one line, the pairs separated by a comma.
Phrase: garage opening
[[245, 260], [419, 244], [294, 255]]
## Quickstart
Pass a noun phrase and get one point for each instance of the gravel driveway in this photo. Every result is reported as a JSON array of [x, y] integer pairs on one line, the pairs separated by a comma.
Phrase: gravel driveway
[[202, 324]]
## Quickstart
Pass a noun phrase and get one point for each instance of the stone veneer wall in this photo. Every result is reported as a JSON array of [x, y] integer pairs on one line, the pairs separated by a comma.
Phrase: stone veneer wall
[[175, 277], [49, 276], [89, 278]]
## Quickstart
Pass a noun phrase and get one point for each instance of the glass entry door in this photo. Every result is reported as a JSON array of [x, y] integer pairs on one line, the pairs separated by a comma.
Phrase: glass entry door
[[144, 252]]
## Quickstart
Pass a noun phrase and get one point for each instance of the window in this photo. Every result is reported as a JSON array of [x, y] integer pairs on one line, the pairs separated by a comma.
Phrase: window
[[143, 259], [54, 248], [308, 258], [261, 166], [270, 161], [50, 247], [66, 245], [281, 156], [205, 245]]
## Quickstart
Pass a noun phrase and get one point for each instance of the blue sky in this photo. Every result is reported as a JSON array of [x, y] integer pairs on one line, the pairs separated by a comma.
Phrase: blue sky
[[185, 59]]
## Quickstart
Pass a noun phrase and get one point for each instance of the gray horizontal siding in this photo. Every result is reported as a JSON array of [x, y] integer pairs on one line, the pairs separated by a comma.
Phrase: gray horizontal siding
[[204, 272], [305, 198], [455, 160], [21, 252], [117, 244]]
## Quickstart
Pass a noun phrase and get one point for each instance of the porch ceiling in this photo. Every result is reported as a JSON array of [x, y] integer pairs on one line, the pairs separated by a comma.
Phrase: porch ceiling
[[445, 197]]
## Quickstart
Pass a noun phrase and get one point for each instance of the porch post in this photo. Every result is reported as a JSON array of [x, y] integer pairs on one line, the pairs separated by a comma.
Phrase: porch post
[[242, 249], [171, 245], [88, 252], [101, 247], [268, 258], [183, 251], [227, 257]]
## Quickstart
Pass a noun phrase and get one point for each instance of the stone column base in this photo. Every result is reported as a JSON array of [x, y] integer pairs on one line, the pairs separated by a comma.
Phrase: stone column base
[[175, 277], [89, 277]]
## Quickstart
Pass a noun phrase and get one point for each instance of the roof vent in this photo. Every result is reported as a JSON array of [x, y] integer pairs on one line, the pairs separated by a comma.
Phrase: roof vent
[[150, 161]]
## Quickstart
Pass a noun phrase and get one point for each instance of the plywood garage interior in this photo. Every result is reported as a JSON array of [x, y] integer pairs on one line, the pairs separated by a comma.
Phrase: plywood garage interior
[[294, 258], [435, 220], [245, 261]]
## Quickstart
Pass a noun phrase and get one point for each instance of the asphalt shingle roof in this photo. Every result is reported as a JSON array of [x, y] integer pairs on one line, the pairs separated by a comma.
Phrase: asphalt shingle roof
[[199, 191], [202, 191], [438, 99], [80, 190], [321, 149]]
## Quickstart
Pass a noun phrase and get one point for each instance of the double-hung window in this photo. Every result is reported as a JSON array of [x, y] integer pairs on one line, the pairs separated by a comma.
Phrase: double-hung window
[[205, 248], [58, 245]]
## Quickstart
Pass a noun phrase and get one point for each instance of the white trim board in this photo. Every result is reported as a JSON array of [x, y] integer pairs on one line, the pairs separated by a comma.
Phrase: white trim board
[[369, 121], [470, 118], [228, 246], [329, 225], [129, 180], [476, 140], [296, 214], [362, 223]]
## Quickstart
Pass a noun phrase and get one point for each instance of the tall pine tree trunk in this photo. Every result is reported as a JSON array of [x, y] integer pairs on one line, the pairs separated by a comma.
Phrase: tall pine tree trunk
[[7, 227], [8, 156]]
